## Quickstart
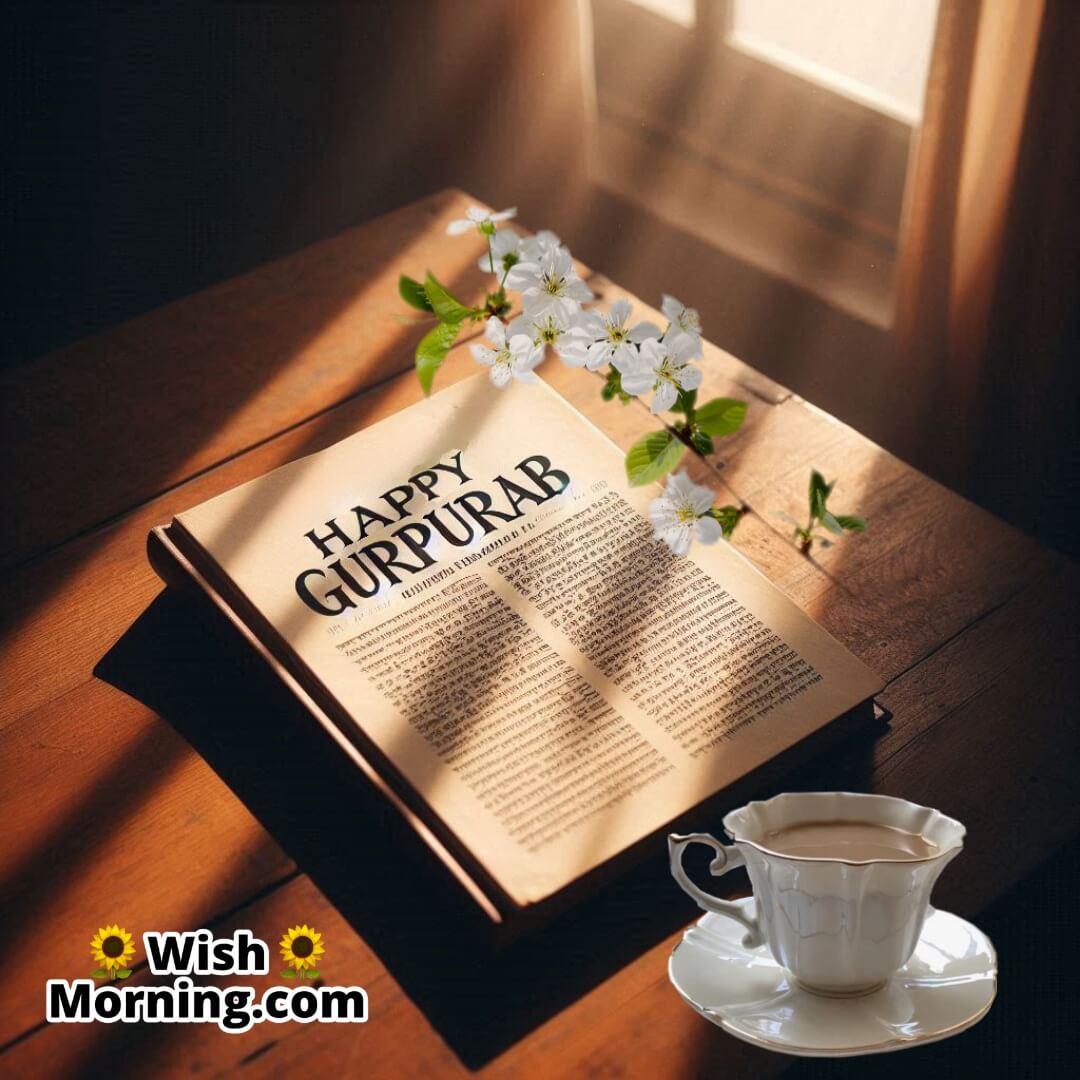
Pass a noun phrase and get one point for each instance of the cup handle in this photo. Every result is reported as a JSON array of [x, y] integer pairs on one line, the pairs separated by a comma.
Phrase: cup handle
[[727, 858]]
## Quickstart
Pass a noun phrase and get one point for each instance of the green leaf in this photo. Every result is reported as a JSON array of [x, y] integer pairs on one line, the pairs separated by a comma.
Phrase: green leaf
[[819, 492], [432, 350], [101, 973], [288, 973], [728, 516], [851, 522], [685, 402], [830, 523], [412, 292], [612, 387], [703, 443], [123, 973], [652, 457], [721, 416], [447, 306], [312, 974]]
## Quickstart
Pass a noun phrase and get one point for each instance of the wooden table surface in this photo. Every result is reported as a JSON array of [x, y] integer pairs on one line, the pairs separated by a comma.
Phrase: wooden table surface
[[110, 815]]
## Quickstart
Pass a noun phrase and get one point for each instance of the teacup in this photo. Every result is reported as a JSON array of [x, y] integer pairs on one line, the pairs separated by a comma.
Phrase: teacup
[[841, 927]]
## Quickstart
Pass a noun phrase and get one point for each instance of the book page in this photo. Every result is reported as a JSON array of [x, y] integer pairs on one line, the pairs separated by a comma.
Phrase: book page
[[475, 585]]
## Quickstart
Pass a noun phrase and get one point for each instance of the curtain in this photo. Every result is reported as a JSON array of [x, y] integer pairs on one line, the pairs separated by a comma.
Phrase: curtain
[[954, 239]]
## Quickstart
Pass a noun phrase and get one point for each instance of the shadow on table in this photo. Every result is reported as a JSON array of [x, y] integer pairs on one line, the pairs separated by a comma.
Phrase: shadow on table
[[179, 659]]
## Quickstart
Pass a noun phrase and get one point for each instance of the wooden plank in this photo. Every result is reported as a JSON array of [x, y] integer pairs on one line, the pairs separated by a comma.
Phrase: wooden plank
[[109, 814], [395, 1039], [97, 428]]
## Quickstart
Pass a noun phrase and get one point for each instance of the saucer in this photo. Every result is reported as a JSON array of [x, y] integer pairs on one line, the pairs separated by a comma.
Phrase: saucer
[[947, 986]]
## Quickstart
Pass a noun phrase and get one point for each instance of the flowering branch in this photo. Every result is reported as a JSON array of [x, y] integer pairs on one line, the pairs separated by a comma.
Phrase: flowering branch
[[634, 360]]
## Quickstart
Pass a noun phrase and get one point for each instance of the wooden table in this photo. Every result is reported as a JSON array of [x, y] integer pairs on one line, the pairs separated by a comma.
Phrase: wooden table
[[110, 815]]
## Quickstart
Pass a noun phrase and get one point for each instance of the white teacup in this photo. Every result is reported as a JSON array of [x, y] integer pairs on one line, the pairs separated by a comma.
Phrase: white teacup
[[840, 927]]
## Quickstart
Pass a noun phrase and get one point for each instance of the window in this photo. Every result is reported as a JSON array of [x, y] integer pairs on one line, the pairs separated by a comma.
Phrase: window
[[775, 130]]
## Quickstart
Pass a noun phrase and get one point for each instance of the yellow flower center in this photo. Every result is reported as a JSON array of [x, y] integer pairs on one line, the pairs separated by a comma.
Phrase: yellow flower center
[[686, 514], [552, 284], [667, 370]]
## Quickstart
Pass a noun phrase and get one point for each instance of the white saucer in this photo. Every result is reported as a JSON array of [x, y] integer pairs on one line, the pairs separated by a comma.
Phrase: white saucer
[[948, 984]]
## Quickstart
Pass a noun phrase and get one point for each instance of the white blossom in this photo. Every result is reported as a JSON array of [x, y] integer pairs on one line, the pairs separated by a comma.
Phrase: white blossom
[[611, 339], [681, 514], [550, 285], [683, 320], [664, 367], [563, 332], [513, 355], [534, 248], [505, 252], [476, 217]]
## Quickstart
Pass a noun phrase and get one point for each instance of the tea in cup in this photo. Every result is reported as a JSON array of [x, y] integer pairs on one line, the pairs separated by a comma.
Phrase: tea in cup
[[841, 882]]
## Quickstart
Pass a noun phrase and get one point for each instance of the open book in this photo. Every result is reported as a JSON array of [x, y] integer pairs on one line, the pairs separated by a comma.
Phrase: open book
[[470, 597]]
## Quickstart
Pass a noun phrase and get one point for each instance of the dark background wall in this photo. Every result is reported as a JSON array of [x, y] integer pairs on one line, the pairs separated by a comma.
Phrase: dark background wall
[[155, 148]]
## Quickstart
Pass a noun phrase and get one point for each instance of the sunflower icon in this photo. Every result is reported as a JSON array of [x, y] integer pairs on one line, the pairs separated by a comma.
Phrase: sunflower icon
[[301, 948], [111, 947]]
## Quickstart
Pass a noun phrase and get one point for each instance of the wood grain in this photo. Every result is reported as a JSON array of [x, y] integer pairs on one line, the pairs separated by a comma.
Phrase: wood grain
[[110, 814]]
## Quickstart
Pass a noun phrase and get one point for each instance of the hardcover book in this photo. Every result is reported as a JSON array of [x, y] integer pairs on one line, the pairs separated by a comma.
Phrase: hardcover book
[[470, 599]]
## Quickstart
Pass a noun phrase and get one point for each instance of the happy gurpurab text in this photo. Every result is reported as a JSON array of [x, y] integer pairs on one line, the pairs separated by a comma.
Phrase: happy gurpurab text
[[408, 532]]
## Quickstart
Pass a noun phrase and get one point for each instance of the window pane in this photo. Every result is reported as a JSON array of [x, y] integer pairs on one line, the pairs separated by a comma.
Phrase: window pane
[[678, 11], [875, 51]]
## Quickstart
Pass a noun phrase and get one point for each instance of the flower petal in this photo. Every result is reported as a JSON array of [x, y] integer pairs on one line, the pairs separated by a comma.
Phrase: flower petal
[[689, 377], [638, 382], [664, 397], [700, 498], [576, 289], [620, 312], [520, 325], [576, 353], [707, 530], [671, 308], [677, 538], [495, 332], [644, 330]]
